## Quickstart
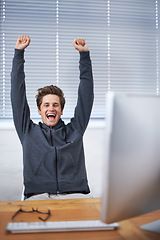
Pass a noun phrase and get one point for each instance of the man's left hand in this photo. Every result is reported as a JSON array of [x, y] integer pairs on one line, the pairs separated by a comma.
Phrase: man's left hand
[[80, 44]]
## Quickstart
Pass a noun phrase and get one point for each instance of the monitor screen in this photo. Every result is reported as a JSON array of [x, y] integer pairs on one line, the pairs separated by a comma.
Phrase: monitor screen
[[131, 170]]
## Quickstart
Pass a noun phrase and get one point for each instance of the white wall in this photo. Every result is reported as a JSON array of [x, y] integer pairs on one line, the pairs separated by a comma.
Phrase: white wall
[[11, 168]]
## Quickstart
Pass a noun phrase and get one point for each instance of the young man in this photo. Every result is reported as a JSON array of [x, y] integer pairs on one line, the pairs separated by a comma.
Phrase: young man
[[53, 153]]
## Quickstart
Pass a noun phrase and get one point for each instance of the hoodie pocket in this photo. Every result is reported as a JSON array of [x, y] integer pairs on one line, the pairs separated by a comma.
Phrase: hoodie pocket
[[46, 165], [66, 166]]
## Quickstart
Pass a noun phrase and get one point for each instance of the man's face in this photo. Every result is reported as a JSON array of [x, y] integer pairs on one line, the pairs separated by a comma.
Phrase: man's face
[[50, 109]]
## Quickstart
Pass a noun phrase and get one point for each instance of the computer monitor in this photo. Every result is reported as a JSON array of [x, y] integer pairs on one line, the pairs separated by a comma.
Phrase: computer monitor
[[131, 170]]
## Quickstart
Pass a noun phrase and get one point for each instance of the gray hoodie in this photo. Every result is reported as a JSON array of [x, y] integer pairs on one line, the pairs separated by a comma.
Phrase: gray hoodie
[[53, 157]]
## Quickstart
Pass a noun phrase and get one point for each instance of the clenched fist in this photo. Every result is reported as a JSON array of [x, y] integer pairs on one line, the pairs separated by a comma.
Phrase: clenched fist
[[22, 42], [80, 44]]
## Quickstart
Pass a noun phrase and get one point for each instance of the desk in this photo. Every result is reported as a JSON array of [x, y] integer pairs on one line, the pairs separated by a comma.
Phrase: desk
[[74, 209]]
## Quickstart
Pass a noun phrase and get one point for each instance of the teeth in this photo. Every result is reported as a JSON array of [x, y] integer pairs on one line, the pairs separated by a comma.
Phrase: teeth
[[50, 115]]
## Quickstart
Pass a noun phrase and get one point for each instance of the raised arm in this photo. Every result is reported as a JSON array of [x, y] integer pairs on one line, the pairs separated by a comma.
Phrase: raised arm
[[21, 112], [85, 90]]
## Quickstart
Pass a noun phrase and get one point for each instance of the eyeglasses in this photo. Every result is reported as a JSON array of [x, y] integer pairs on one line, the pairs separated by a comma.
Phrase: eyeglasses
[[30, 209]]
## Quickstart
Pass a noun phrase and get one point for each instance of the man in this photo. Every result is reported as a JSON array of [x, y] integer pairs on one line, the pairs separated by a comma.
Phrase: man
[[53, 154]]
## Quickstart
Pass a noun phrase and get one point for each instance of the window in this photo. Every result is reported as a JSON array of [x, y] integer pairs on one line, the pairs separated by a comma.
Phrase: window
[[133, 40], [123, 38]]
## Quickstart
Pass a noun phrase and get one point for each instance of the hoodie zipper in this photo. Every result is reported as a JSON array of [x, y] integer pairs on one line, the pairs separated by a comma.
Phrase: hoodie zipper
[[56, 158], [51, 136], [56, 171]]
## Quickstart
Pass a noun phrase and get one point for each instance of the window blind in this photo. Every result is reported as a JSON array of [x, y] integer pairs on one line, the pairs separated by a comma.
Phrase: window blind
[[133, 52], [33, 18], [123, 38]]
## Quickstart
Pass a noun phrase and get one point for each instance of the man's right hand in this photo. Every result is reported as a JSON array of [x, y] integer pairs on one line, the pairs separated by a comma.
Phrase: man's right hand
[[22, 42]]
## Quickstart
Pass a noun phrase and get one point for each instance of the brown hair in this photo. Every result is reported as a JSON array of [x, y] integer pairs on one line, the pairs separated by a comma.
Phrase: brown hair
[[50, 90]]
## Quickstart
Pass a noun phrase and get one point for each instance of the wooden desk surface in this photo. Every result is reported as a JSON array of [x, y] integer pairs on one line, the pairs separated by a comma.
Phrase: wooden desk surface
[[74, 209]]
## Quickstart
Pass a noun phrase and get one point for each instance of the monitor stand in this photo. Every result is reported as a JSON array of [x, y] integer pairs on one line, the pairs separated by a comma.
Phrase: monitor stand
[[153, 226]]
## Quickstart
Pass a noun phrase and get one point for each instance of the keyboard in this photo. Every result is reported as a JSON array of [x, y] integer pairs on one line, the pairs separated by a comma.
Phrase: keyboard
[[65, 226]]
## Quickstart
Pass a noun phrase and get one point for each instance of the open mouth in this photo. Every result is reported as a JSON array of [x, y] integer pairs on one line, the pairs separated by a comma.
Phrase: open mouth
[[51, 116]]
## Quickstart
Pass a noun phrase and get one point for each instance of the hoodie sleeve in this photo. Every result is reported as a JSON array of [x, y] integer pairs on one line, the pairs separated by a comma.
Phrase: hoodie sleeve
[[85, 93], [20, 108]]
